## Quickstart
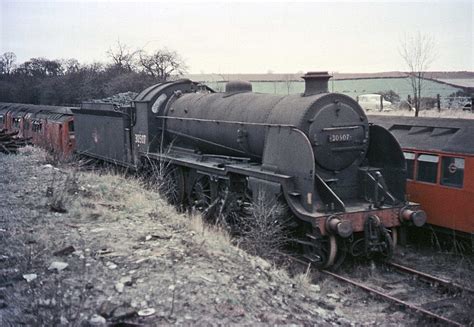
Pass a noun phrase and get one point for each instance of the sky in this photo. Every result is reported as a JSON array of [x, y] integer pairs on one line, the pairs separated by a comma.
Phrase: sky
[[243, 37]]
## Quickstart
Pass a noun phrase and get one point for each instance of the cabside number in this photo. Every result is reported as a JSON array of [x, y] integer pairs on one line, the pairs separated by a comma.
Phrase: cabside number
[[140, 138]]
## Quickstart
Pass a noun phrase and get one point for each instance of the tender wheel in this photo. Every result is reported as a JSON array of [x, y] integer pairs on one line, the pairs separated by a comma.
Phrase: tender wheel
[[320, 250]]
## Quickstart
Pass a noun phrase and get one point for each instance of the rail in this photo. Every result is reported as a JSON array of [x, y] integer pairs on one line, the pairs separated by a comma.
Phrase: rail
[[430, 278], [415, 308], [393, 299]]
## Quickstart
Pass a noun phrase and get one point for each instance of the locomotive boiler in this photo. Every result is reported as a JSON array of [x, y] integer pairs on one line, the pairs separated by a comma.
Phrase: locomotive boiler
[[342, 178]]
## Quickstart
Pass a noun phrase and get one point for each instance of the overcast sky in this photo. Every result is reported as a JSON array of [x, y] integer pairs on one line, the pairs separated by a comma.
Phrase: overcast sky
[[248, 37]]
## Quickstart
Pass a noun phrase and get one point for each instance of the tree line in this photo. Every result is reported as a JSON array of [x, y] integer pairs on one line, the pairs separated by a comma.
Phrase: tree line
[[69, 82]]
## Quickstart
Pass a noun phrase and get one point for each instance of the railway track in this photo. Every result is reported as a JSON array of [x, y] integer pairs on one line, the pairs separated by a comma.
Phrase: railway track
[[440, 282], [435, 298]]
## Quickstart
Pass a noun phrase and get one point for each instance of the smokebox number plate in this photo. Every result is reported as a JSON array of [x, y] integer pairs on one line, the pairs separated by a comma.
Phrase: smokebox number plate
[[333, 138]]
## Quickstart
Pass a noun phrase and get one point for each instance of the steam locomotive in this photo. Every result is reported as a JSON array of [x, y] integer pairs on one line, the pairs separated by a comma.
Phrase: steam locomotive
[[342, 179]]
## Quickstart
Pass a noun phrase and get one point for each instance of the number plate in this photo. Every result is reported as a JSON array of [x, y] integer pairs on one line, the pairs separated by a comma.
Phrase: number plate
[[333, 138]]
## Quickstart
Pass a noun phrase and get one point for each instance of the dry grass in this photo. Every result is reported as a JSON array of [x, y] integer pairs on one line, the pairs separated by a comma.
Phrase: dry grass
[[116, 197], [113, 196], [213, 234], [304, 280]]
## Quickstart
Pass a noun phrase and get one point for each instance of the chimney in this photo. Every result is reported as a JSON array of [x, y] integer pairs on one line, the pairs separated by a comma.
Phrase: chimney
[[316, 82]]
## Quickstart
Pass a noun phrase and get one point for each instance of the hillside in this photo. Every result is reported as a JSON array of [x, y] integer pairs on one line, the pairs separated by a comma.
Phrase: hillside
[[81, 248]]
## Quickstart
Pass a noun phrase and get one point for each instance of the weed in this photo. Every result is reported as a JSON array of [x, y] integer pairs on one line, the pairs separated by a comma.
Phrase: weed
[[62, 191], [264, 232], [303, 281]]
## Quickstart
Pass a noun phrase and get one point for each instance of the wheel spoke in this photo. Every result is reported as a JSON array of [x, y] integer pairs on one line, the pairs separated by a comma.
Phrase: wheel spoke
[[201, 193]]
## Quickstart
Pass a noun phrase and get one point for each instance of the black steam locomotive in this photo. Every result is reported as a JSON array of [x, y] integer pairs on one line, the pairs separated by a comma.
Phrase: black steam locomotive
[[342, 179]]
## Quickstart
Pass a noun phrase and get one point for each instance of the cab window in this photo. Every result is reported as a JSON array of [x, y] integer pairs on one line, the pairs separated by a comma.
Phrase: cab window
[[452, 173], [410, 159], [427, 168]]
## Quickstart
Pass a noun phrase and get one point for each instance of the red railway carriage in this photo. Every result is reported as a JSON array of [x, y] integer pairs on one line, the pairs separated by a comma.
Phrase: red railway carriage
[[11, 117], [59, 133], [16, 119], [4, 108], [440, 167], [47, 126]]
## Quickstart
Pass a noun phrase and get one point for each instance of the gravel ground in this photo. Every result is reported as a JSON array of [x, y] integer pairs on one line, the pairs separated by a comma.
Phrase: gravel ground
[[83, 249], [444, 261]]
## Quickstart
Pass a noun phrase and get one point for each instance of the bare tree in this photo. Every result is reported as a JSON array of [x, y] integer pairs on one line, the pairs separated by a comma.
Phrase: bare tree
[[40, 67], [122, 56], [71, 65], [288, 79], [162, 64], [7, 63], [418, 52]]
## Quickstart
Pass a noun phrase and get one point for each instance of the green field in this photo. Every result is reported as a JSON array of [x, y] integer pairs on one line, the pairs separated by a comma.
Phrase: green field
[[352, 88]]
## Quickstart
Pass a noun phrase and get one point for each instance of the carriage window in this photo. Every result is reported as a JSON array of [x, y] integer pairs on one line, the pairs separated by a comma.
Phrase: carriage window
[[37, 126], [71, 127], [1, 119], [452, 173], [427, 168], [410, 159]]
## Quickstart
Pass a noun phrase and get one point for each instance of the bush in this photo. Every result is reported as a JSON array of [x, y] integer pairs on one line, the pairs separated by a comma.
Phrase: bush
[[427, 103], [390, 95], [460, 93], [264, 230]]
